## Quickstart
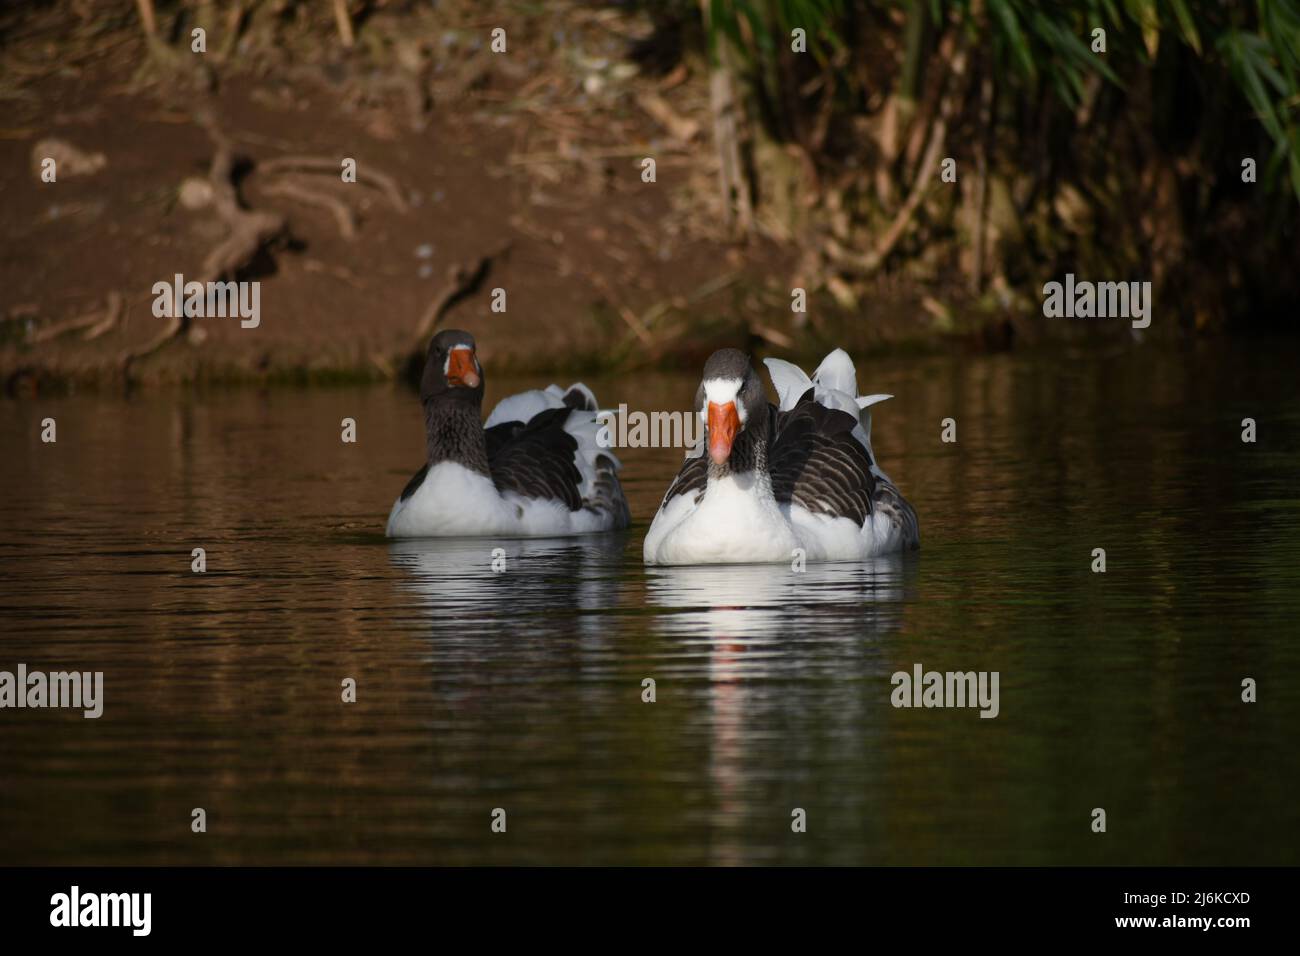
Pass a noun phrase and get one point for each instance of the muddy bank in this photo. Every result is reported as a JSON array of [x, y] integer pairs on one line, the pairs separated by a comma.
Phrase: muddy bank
[[475, 172]]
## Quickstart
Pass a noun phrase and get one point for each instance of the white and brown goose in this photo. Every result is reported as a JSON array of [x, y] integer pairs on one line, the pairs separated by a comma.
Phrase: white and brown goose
[[533, 469], [769, 479]]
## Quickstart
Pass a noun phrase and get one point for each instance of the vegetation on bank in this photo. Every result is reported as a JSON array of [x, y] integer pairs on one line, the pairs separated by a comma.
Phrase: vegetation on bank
[[1124, 139], [1109, 138], [921, 169]]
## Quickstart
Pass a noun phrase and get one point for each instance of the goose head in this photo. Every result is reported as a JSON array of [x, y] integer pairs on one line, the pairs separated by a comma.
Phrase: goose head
[[451, 370], [730, 400]]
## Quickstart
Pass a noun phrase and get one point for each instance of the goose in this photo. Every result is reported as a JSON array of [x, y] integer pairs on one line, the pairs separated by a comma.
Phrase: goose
[[776, 478], [535, 468]]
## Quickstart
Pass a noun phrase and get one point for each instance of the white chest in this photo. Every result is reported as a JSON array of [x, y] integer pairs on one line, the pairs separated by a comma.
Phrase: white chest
[[736, 520], [451, 501]]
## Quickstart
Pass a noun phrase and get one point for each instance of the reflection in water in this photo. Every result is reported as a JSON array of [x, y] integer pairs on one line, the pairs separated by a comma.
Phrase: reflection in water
[[486, 579], [523, 689], [764, 603], [757, 621]]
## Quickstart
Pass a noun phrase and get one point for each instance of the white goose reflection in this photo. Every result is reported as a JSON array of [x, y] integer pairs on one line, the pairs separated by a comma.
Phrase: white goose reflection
[[756, 602], [740, 624], [479, 578]]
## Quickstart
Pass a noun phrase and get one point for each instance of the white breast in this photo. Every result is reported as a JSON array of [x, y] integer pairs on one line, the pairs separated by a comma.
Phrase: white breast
[[452, 501], [735, 521]]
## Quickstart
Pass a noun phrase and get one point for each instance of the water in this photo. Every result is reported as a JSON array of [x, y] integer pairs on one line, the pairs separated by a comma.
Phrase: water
[[522, 690]]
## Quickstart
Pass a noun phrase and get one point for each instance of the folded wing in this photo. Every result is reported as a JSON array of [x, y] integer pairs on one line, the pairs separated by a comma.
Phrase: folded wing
[[536, 459], [544, 444], [818, 463]]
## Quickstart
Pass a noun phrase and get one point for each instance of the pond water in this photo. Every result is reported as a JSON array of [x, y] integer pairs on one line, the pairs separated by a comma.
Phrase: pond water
[[522, 690]]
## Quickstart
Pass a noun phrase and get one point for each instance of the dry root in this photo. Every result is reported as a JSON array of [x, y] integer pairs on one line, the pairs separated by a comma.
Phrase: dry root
[[461, 281], [247, 232], [95, 323], [323, 164], [293, 189]]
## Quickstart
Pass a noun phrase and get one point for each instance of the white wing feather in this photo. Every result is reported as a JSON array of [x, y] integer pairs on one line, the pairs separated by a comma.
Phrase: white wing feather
[[835, 385], [789, 380], [837, 372]]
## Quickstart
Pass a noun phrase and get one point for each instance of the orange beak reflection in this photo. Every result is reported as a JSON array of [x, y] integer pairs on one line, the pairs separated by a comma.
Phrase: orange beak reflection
[[460, 368], [724, 424]]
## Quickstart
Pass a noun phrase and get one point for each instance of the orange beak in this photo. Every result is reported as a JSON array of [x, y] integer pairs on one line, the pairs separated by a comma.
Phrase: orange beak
[[460, 368], [724, 423]]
